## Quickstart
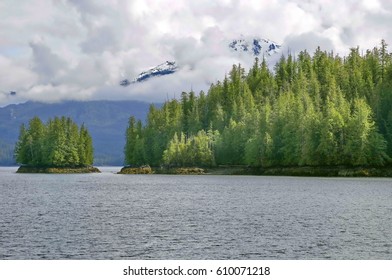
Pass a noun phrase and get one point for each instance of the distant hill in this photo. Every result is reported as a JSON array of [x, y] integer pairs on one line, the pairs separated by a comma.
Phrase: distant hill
[[105, 120]]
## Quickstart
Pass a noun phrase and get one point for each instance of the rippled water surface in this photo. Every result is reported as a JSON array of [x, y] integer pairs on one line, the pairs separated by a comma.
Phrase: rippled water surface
[[109, 216]]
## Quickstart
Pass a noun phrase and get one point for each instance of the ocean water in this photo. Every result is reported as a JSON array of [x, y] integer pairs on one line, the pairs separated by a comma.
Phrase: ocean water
[[110, 216]]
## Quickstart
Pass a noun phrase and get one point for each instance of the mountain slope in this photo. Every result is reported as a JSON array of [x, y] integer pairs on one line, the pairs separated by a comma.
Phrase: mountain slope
[[168, 67], [106, 121]]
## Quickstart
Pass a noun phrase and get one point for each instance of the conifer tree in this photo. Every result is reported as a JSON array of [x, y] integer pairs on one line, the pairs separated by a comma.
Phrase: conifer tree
[[130, 142], [58, 143]]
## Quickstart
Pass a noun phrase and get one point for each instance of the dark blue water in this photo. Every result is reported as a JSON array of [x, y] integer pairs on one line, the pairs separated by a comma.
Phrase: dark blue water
[[109, 216]]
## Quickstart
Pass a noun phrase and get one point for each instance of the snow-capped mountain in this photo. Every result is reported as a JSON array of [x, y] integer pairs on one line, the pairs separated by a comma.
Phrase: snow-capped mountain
[[254, 46], [168, 67]]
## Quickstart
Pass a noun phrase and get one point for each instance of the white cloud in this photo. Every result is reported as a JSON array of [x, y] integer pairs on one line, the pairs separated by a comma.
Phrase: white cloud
[[67, 49], [12, 76], [45, 63]]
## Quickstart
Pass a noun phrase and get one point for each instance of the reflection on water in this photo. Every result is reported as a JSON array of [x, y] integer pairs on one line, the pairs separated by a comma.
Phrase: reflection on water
[[109, 216]]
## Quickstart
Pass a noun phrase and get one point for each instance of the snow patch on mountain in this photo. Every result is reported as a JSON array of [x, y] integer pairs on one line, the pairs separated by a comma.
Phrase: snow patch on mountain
[[166, 68], [254, 46]]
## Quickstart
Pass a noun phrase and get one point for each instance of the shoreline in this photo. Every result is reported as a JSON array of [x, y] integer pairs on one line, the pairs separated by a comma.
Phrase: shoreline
[[58, 170], [328, 171], [304, 171]]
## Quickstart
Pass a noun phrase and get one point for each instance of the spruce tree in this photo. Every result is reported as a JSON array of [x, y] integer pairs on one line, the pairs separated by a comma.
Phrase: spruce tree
[[57, 143]]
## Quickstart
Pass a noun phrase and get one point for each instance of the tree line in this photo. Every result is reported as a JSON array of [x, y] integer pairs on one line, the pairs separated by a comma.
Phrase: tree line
[[58, 143], [312, 110]]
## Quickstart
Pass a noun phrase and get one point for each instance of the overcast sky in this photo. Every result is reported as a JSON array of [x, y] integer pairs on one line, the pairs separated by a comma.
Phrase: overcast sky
[[53, 50]]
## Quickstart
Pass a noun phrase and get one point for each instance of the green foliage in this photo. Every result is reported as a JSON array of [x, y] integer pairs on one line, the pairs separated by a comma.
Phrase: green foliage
[[58, 143], [191, 151], [313, 110], [231, 145], [86, 151]]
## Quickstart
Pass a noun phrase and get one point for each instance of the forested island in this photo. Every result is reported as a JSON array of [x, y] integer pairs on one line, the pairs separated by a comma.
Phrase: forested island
[[59, 146], [316, 113]]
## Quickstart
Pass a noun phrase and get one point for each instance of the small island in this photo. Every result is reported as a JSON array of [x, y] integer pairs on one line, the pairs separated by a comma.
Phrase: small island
[[59, 146]]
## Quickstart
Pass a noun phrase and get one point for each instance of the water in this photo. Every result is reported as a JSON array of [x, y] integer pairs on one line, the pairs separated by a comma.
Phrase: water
[[109, 216]]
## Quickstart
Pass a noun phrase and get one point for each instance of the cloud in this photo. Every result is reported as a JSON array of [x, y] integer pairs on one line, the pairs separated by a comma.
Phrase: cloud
[[306, 41], [12, 76], [81, 49], [101, 39], [54, 93], [45, 63]]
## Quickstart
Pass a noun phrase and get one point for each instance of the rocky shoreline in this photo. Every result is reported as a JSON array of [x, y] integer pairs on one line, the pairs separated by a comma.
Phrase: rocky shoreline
[[175, 171], [136, 170], [338, 171], [58, 170], [305, 171]]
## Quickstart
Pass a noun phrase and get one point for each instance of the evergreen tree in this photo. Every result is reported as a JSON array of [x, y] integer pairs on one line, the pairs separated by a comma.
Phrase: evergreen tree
[[36, 133], [86, 152], [130, 142], [21, 151], [59, 143]]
